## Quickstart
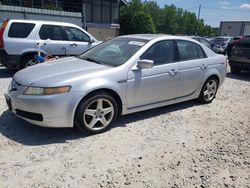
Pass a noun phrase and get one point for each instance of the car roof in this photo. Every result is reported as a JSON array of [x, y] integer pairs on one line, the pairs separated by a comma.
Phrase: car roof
[[154, 36], [143, 36], [195, 37], [41, 21]]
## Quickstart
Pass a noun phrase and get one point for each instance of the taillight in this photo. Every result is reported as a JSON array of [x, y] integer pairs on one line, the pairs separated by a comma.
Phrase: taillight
[[2, 29]]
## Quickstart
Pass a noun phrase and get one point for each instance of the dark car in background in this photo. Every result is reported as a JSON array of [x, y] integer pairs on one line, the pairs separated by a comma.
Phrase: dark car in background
[[232, 43], [239, 54]]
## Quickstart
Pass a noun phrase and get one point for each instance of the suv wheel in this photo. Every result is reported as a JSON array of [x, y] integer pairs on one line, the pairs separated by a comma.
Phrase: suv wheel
[[234, 70], [28, 61], [96, 113]]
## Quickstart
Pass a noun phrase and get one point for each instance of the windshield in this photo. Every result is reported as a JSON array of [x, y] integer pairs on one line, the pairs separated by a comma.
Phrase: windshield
[[114, 52]]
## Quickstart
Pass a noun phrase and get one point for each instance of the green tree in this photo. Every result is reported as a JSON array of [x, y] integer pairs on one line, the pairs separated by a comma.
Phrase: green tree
[[134, 20], [142, 23], [135, 6], [190, 23], [169, 20], [170, 25], [154, 10]]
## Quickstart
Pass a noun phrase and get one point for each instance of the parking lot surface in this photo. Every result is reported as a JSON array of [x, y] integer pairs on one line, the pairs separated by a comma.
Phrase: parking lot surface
[[182, 145]]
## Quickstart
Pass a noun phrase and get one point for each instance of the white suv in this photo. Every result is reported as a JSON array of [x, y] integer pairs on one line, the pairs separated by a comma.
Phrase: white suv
[[19, 39]]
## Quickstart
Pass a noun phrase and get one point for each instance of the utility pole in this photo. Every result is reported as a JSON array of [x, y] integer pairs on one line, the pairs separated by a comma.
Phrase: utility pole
[[199, 12], [83, 16]]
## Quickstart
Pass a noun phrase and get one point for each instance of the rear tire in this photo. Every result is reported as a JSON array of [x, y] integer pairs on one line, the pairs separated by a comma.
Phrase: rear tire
[[96, 113], [234, 70], [209, 90]]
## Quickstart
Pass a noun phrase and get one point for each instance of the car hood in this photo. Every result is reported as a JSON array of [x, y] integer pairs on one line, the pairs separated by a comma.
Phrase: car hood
[[57, 72]]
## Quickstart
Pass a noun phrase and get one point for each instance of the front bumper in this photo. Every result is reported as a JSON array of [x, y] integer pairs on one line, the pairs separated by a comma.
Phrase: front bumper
[[46, 111]]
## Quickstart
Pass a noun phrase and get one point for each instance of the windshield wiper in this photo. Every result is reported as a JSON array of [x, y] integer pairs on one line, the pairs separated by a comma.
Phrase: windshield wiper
[[94, 60]]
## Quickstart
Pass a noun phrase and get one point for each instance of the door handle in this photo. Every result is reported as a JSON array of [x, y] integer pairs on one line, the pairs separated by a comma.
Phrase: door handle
[[203, 66], [73, 45], [172, 72]]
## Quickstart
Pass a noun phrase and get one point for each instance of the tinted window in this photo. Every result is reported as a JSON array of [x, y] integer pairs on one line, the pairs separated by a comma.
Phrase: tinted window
[[20, 30], [75, 34], [161, 53], [188, 50], [52, 32]]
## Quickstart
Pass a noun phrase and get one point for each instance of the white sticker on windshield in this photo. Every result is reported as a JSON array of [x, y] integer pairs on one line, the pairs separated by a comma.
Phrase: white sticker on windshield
[[137, 43]]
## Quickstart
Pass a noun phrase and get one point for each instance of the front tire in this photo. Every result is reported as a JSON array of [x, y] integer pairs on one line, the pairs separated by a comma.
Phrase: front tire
[[96, 113], [208, 91]]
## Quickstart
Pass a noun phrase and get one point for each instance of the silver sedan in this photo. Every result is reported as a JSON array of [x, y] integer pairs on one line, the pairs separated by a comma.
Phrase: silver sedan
[[124, 75]]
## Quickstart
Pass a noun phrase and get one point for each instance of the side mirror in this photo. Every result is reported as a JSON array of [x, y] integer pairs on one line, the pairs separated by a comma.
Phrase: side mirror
[[145, 64]]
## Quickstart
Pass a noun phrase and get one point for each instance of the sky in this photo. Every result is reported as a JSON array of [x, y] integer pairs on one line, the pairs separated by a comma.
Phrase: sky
[[214, 11]]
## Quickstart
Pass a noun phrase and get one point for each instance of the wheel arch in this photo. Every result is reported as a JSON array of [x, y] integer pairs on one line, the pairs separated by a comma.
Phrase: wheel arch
[[213, 73], [106, 90], [213, 76], [31, 52], [25, 54]]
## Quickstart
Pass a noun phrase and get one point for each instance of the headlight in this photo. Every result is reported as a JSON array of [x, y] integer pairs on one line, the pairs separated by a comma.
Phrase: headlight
[[46, 90]]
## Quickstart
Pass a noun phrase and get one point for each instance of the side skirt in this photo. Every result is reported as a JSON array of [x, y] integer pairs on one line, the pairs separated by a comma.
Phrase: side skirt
[[192, 96]]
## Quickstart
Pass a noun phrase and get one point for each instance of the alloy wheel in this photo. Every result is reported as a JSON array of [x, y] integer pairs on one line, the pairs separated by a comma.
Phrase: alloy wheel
[[210, 90], [31, 62], [98, 114]]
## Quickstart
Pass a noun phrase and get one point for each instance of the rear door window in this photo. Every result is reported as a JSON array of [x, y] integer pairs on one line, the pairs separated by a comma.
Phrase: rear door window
[[52, 32], [20, 30], [189, 50], [206, 43]]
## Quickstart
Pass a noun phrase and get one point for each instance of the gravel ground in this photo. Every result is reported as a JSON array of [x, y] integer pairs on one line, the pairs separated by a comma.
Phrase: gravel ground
[[182, 145]]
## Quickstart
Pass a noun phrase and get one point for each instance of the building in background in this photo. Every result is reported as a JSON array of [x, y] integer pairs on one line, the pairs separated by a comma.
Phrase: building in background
[[99, 17], [234, 28]]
